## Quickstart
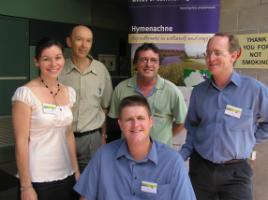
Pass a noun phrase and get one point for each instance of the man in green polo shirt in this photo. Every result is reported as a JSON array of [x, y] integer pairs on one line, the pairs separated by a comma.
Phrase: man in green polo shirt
[[93, 87], [165, 99]]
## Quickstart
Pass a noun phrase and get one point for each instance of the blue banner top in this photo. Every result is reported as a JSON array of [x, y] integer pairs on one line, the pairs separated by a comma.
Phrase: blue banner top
[[174, 16]]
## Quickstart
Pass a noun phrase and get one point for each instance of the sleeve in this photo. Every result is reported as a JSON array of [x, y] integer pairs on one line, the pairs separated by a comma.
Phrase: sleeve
[[261, 133], [108, 90], [191, 122], [181, 184], [180, 109], [87, 185], [23, 94], [72, 96]]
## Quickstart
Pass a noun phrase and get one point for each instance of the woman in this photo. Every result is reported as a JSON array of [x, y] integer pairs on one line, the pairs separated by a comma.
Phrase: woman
[[42, 118]]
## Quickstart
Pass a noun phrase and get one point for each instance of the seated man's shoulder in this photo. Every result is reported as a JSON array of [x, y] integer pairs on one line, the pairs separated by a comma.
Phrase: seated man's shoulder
[[109, 149]]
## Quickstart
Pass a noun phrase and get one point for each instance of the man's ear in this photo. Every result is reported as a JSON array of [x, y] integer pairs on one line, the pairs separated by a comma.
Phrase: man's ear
[[151, 121], [68, 42], [119, 122], [235, 55], [239, 53]]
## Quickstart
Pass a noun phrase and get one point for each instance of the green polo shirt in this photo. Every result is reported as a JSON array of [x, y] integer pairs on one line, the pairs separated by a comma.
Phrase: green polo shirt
[[166, 102], [93, 91]]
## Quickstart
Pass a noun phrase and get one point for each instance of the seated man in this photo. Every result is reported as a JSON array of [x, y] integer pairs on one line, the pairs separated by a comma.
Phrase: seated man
[[135, 166]]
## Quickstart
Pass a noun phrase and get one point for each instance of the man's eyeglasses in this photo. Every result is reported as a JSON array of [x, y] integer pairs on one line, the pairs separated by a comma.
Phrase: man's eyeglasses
[[147, 60], [216, 53]]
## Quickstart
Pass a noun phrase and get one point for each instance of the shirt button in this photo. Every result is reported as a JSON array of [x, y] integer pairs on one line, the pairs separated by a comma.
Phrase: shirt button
[[135, 177]]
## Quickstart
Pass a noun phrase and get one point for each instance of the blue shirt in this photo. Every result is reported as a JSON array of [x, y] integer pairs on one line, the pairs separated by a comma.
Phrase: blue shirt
[[113, 174], [218, 136]]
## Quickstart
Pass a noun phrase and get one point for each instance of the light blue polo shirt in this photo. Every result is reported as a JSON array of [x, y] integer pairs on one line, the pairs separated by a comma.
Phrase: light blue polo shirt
[[113, 174]]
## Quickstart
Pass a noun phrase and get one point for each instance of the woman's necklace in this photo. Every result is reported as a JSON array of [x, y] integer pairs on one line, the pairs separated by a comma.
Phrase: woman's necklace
[[50, 91], [54, 94]]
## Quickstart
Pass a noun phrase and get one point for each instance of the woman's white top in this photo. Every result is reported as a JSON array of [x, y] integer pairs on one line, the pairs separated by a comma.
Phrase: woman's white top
[[49, 158]]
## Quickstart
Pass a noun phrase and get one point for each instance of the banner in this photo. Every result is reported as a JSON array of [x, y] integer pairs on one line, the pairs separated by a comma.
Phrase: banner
[[180, 28], [174, 16]]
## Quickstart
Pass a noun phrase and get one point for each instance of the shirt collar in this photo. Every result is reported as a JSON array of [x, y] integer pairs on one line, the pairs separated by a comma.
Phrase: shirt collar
[[159, 83], [123, 152], [72, 67], [235, 79]]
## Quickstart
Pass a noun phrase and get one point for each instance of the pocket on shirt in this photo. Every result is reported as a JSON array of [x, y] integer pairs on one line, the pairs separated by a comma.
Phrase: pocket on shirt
[[96, 92], [163, 193], [243, 123], [93, 97]]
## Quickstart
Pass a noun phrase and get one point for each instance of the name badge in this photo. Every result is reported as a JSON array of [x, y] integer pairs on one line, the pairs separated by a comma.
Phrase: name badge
[[49, 108], [233, 111], [149, 187]]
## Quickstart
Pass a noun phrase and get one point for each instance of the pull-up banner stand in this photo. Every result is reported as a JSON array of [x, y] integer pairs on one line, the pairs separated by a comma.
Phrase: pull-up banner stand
[[180, 28]]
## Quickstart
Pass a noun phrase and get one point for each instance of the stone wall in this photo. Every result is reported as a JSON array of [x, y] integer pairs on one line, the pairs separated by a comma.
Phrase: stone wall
[[246, 16], [250, 16]]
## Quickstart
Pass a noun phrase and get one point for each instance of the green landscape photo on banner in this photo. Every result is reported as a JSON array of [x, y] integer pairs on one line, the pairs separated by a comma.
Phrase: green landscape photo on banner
[[192, 77]]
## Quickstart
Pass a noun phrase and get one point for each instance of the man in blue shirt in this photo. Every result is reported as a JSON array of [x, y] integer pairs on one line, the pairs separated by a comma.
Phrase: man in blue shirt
[[227, 116], [135, 167]]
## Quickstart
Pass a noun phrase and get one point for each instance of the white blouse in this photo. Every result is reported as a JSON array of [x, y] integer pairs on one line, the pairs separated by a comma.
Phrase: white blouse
[[49, 158]]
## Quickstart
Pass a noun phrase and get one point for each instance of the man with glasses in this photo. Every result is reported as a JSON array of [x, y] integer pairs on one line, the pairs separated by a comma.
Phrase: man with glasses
[[165, 99], [227, 115]]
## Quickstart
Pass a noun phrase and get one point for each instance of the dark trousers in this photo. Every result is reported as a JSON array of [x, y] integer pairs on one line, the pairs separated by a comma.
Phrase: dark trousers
[[220, 181], [56, 190]]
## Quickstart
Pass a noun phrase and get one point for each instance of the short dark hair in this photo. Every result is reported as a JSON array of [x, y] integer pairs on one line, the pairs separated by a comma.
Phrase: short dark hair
[[232, 40], [45, 43], [145, 47], [134, 100]]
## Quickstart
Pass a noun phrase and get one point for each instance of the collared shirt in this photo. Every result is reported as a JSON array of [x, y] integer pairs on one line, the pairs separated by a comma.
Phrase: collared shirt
[[224, 124], [93, 90], [114, 174], [166, 102]]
